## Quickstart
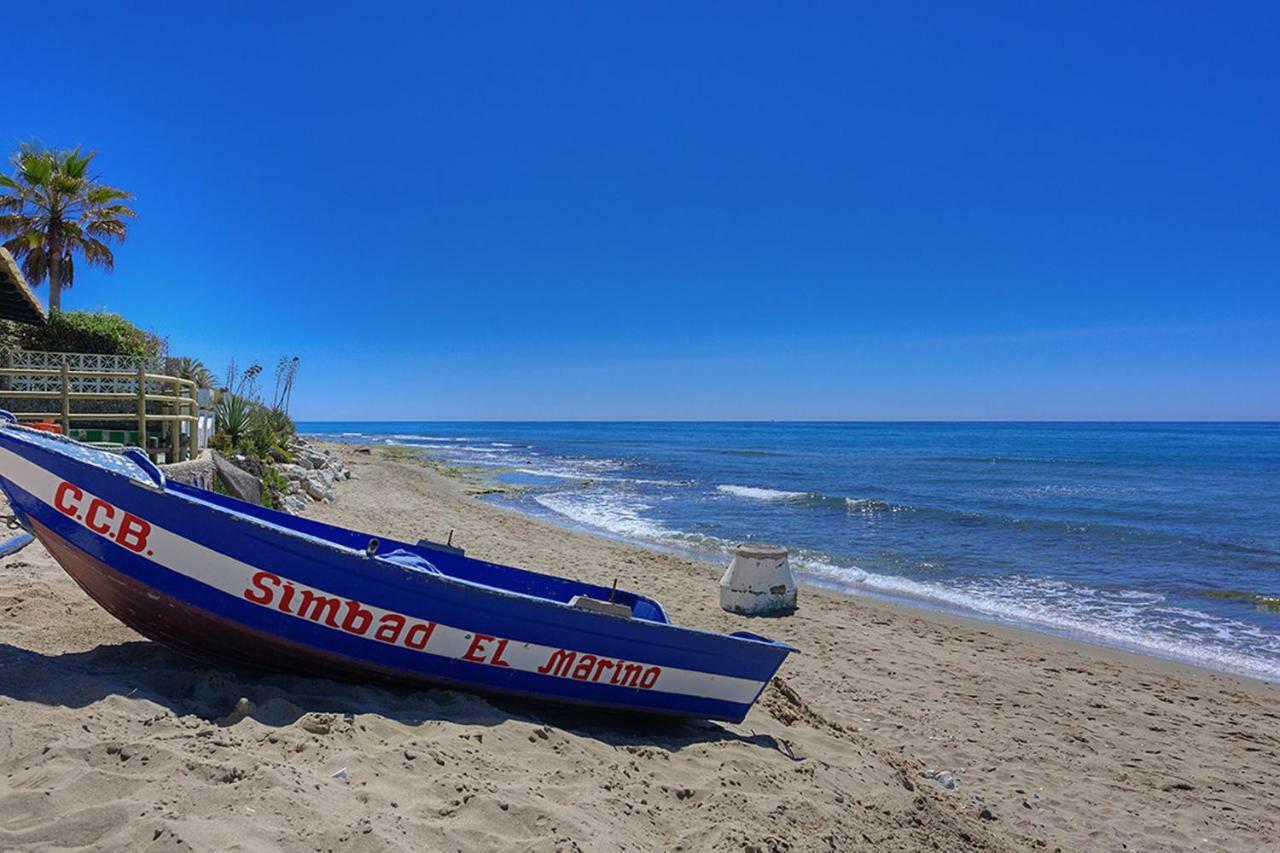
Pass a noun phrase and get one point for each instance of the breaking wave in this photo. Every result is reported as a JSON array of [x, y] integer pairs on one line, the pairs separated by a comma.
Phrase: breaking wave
[[608, 512], [760, 494], [812, 499]]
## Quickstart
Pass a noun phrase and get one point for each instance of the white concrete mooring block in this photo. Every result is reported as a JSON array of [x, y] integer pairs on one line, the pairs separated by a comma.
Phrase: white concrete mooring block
[[758, 581]]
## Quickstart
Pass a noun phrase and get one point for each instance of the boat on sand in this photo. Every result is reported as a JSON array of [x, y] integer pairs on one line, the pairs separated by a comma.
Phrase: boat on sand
[[223, 579]]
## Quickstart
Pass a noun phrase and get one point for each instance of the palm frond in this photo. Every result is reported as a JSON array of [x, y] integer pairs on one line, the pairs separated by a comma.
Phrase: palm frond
[[75, 165], [116, 210], [16, 223], [25, 242], [35, 265], [33, 168], [102, 194], [110, 229], [98, 254], [16, 246]]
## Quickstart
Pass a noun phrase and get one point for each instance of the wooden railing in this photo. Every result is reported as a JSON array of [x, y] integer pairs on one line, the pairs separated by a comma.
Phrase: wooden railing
[[178, 407]]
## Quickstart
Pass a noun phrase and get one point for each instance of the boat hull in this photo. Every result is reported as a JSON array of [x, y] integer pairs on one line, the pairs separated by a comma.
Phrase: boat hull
[[193, 630], [243, 587]]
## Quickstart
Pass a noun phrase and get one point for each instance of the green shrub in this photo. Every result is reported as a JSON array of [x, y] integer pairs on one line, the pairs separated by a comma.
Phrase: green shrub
[[233, 418], [281, 424], [98, 332], [274, 486], [9, 335], [263, 442]]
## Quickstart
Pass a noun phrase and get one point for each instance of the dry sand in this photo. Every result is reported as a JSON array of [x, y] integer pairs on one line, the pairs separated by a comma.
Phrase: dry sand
[[109, 741]]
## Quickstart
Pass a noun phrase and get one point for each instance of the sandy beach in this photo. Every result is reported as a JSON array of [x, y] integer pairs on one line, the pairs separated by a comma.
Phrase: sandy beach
[[111, 742]]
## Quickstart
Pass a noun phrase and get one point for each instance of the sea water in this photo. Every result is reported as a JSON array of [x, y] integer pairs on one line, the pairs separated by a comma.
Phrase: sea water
[[1157, 538]]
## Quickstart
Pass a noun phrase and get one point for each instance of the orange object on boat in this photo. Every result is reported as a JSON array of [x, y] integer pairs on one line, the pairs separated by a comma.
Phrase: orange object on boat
[[46, 426]]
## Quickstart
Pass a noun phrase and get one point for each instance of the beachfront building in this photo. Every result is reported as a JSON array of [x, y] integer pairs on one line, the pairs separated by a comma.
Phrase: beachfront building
[[17, 302], [114, 401]]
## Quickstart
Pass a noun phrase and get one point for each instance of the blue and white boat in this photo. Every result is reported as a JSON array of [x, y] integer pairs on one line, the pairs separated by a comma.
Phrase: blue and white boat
[[223, 579]]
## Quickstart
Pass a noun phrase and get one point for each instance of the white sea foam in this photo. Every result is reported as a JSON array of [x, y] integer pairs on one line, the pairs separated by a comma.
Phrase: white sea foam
[[759, 494], [866, 506], [610, 512], [415, 445], [871, 506], [547, 472], [571, 474], [1130, 619]]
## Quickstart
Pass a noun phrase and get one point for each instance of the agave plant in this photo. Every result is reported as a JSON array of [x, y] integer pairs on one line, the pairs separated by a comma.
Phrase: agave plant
[[233, 417]]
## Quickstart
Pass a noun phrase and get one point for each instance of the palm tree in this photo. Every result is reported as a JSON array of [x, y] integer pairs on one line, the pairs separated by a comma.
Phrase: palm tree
[[194, 369], [52, 209]]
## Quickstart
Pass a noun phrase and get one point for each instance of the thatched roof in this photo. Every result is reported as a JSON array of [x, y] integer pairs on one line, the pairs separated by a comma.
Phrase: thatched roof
[[17, 302]]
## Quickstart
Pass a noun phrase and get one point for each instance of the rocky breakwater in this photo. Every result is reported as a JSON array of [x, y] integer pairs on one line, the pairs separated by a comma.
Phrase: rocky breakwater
[[309, 476]]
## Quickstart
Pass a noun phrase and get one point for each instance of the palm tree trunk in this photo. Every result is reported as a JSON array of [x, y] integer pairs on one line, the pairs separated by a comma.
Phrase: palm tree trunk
[[55, 266]]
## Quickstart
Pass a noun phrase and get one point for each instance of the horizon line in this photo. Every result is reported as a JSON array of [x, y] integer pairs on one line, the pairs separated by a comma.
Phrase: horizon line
[[1247, 421]]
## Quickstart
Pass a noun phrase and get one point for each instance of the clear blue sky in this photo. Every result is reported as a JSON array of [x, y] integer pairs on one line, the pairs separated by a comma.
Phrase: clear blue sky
[[554, 210]]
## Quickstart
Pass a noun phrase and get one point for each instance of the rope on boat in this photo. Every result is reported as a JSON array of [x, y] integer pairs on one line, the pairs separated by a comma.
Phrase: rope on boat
[[14, 544]]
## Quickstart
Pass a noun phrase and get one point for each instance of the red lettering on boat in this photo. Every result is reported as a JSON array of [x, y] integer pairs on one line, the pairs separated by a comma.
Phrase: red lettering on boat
[[262, 595], [566, 664], [398, 630], [419, 634], [559, 664], [631, 675], [582, 672], [319, 608], [133, 533], [98, 507], [478, 652], [356, 613], [288, 596], [497, 660], [389, 627], [67, 507]]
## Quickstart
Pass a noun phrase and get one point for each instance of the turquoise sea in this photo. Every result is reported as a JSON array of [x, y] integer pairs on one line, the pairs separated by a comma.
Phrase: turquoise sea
[[1157, 538]]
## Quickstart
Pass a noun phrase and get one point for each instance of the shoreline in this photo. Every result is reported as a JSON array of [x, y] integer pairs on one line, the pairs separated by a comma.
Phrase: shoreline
[[893, 729], [480, 482]]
